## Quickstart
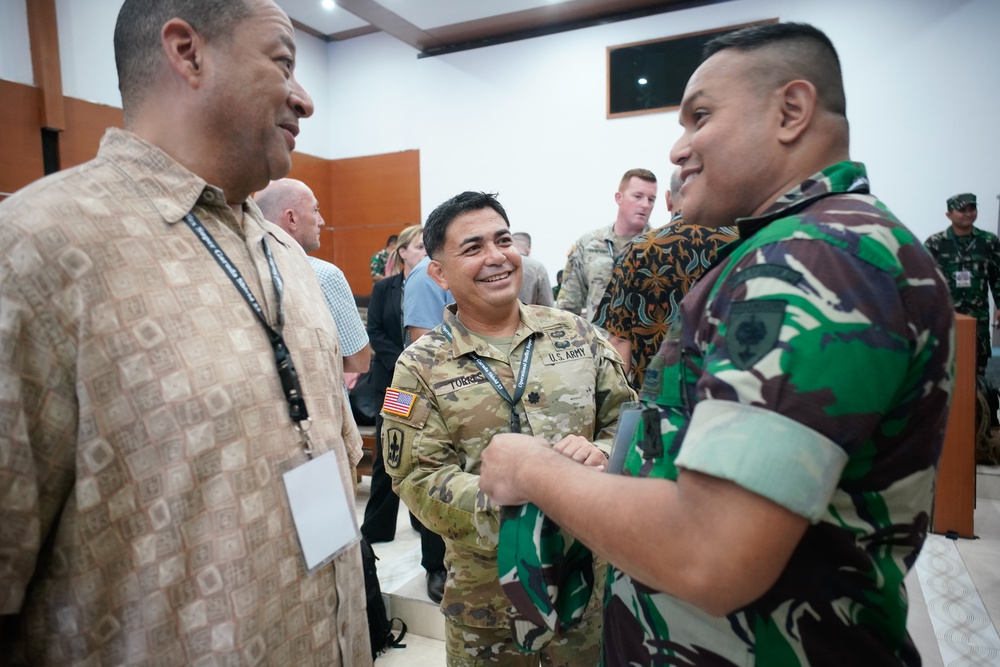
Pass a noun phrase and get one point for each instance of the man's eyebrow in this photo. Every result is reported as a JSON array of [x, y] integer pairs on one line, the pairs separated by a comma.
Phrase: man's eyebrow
[[288, 42], [691, 99], [479, 238]]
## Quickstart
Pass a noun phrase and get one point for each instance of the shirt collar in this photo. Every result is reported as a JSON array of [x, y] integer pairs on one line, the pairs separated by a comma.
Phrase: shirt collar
[[842, 177], [465, 341], [173, 189]]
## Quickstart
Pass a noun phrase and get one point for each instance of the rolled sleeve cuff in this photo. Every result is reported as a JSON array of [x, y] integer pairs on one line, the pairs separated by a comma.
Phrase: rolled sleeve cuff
[[765, 453]]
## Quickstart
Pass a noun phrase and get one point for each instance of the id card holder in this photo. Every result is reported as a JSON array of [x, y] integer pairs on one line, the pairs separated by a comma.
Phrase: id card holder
[[321, 509], [628, 420], [963, 278]]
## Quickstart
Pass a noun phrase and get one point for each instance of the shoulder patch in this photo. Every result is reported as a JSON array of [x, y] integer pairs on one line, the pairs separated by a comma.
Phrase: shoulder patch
[[752, 330], [393, 447], [398, 402]]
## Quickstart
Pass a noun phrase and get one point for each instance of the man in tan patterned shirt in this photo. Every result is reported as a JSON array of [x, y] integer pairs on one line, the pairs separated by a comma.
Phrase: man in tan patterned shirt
[[144, 430]]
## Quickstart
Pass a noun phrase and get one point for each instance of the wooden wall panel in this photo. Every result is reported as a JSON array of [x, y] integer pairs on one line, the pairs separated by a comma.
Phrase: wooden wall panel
[[372, 197], [20, 136], [85, 125], [955, 493]]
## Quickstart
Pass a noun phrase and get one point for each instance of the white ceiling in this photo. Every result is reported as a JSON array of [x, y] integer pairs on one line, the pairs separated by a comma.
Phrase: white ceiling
[[440, 26], [425, 14]]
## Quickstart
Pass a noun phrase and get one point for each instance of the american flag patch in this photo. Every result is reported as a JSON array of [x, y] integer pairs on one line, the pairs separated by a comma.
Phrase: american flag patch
[[398, 402]]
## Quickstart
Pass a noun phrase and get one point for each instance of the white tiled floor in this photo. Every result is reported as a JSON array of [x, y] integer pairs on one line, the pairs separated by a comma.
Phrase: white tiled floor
[[954, 590]]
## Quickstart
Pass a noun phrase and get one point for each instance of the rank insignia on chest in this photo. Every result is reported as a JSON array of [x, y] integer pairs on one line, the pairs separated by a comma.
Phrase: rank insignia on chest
[[398, 402], [533, 397], [752, 330]]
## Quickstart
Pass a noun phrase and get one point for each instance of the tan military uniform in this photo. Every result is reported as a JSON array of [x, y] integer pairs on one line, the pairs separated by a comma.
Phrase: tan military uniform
[[575, 385], [588, 270]]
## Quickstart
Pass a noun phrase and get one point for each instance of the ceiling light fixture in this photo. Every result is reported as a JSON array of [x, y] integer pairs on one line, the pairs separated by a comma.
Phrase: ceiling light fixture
[[643, 81], [328, 5]]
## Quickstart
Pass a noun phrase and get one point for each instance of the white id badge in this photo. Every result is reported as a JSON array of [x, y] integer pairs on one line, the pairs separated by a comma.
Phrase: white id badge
[[963, 279], [322, 510]]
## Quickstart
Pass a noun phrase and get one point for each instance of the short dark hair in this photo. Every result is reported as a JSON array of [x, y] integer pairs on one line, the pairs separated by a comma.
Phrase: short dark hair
[[807, 53], [392, 239], [437, 222], [137, 36], [642, 174]]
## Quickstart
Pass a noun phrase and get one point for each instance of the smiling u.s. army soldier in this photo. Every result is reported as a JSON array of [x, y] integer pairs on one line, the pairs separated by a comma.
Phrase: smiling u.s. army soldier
[[494, 366]]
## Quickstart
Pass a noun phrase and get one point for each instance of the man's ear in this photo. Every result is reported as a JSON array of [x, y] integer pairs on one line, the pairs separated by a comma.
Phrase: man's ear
[[184, 50], [436, 271], [618, 197], [797, 100], [291, 224]]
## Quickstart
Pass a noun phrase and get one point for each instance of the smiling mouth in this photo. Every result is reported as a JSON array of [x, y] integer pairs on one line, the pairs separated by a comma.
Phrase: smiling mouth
[[496, 278]]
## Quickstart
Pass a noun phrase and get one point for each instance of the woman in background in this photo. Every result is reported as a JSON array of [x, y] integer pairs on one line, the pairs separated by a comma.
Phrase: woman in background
[[386, 333]]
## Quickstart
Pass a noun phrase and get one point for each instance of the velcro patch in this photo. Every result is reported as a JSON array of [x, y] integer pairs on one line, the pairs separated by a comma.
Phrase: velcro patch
[[398, 402], [776, 271], [752, 330]]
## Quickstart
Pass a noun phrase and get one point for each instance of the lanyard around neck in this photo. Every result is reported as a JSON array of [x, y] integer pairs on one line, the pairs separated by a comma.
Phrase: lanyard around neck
[[494, 379], [282, 357]]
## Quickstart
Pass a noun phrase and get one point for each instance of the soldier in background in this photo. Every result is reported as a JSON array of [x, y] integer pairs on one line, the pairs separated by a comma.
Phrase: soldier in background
[[379, 259], [969, 258], [592, 257], [493, 366], [649, 281]]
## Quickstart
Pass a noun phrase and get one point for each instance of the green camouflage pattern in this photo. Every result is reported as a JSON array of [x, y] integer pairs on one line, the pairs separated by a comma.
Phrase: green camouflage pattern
[[377, 264], [588, 271], [547, 574], [575, 385], [960, 201], [979, 254], [830, 399]]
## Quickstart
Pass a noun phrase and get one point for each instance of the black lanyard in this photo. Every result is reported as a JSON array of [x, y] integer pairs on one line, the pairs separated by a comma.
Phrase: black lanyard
[[282, 357], [494, 379]]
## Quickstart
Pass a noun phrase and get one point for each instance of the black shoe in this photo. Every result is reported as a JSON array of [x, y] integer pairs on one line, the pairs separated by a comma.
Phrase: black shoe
[[435, 585]]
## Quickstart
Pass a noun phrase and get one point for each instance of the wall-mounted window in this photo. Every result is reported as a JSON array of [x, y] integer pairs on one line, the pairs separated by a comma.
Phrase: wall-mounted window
[[649, 77]]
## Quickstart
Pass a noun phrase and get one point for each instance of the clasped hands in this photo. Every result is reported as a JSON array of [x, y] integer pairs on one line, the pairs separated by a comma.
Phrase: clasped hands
[[510, 455]]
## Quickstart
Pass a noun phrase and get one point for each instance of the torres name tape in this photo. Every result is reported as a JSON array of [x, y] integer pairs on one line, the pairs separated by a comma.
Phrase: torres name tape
[[398, 402]]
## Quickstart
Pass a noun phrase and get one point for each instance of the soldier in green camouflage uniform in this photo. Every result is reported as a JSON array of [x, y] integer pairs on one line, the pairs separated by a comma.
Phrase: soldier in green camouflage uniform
[[969, 258], [592, 257], [442, 410], [798, 406]]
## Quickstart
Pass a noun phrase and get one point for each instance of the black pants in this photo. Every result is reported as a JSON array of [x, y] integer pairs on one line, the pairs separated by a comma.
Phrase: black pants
[[383, 507]]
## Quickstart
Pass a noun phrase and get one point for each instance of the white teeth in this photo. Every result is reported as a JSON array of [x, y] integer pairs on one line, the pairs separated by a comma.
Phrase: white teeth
[[493, 279]]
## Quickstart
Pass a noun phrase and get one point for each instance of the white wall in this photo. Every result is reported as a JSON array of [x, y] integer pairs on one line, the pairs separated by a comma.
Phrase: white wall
[[527, 119], [15, 48]]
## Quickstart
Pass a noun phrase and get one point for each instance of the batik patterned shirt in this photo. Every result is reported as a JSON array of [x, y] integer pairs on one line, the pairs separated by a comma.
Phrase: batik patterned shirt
[[650, 280]]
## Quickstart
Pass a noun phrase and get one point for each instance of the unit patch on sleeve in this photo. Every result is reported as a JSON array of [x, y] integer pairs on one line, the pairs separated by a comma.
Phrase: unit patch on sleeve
[[394, 447], [398, 402], [752, 330]]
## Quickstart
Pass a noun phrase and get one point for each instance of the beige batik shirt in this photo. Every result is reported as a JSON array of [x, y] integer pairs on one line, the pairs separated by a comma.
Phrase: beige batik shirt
[[144, 432]]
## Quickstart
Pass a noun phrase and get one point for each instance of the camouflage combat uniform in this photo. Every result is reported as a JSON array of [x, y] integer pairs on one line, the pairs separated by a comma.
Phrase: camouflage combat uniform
[[575, 385], [377, 264], [979, 254], [588, 270], [812, 365]]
